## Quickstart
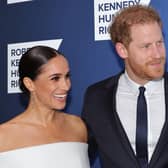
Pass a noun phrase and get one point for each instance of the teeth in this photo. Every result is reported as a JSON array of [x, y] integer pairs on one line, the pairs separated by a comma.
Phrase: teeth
[[60, 96]]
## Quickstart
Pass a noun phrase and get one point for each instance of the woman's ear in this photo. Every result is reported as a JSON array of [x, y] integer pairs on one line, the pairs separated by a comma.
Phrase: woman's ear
[[28, 82], [121, 50]]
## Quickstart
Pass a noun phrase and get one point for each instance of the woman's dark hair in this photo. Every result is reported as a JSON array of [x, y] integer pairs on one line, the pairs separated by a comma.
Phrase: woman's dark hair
[[31, 62]]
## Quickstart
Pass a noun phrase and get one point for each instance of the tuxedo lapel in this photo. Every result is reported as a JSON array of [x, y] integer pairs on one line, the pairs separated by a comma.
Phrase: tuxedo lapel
[[123, 139]]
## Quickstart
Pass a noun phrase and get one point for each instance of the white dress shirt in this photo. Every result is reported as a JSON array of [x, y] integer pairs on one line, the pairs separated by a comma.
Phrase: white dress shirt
[[127, 94]]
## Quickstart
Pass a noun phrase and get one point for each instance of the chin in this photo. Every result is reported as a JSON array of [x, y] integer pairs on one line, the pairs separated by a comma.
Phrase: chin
[[58, 109], [58, 106]]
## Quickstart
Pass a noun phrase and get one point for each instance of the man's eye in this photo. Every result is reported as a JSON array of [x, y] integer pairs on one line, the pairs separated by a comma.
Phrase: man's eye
[[159, 43], [146, 46]]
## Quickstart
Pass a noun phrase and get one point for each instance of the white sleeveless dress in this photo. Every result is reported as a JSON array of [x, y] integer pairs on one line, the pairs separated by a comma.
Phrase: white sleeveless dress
[[54, 155]]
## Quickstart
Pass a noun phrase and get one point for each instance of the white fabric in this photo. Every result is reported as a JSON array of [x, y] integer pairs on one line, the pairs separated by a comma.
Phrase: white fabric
[[127, 94], [54, 155]]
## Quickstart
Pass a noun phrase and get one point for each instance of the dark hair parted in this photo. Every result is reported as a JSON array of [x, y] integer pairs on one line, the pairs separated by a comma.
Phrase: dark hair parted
[[127, 17], [31, 62]]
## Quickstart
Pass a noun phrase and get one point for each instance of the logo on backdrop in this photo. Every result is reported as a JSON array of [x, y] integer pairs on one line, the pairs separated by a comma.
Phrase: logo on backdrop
[[104, 11], [16, 1], [15, 52]]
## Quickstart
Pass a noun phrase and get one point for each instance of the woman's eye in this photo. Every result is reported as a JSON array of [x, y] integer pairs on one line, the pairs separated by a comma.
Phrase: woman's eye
[[56, 78], [68, 75]]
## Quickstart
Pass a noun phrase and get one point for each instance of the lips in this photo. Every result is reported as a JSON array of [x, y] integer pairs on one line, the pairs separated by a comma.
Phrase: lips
[[156, 63]]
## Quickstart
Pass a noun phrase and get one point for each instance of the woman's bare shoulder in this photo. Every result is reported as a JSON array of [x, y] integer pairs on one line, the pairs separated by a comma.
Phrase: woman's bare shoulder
[[75, 120], [8, 128], [7, 132], [78, 125]]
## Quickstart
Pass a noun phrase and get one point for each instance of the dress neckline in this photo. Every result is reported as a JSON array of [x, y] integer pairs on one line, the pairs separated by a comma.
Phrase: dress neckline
[[45, 145]]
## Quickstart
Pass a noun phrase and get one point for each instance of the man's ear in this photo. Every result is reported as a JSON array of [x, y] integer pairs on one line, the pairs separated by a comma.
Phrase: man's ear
[[121, 50], [29, 84]]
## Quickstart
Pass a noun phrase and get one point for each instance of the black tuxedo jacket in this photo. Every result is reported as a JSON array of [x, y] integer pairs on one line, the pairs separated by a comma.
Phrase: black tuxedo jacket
[[106, 133]]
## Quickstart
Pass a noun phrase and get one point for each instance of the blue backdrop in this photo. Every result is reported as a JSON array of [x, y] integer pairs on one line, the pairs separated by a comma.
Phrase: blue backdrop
[[72, 21]]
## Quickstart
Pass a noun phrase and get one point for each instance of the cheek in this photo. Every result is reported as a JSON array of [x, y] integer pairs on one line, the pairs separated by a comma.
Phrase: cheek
[[135, 60], [69, 82], [140, 57], [43, 88], [163, 52], [44, 94]]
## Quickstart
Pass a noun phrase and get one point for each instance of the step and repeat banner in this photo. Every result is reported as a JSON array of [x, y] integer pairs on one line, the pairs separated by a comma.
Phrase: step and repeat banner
[[78, 28]]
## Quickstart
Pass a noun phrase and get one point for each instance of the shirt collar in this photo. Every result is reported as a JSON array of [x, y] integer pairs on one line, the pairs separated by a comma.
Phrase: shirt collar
[[152, 87]]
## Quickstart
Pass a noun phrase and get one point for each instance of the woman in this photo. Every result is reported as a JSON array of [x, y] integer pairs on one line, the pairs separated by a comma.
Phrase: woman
[[43, 136]]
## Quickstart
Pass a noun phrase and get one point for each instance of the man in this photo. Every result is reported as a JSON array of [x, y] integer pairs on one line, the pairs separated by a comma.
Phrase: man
[[110, 106]]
